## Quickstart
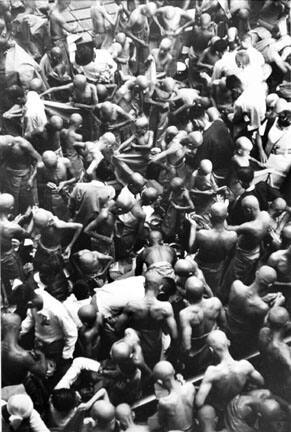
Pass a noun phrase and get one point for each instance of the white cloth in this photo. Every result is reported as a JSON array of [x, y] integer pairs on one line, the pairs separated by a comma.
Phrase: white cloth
[[79, 364], [279, 150], [253, 103], [72, 306], [102, 67], [52, 323], [34, 114], [113, 297], [35, 421]]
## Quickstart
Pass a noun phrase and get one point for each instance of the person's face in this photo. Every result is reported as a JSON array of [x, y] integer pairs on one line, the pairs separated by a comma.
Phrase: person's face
[[140, 131], [236, 92], [248, 212], [164, 50]]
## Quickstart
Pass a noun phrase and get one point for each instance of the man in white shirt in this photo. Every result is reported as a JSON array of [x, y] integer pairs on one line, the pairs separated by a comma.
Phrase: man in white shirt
[[55, 332]]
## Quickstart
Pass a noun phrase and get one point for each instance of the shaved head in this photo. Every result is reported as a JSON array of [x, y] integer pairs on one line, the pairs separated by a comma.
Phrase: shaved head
[[163, 370], [10, 321], [56, 122], [266, 275], [278, 317], [251, 202], [76, 119], [194, 288], [218, 212], [120, 351], [103, 412], [50, 159], [244, 143], [185, 267], [80, 81], [87, 313], [217, 340], [206, 166], [6, 202]]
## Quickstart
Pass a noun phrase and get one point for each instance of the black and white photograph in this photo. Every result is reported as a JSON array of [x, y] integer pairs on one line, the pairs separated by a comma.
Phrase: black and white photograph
[[145, 215]]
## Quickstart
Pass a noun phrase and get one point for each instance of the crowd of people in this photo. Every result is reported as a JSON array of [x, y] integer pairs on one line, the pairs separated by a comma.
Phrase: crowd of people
[[145, 215]]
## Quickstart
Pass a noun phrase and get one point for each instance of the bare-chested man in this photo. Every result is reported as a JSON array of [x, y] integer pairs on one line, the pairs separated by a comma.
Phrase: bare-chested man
[[176, 400], [71, 141], [157, 256], [19, 171], [49, 256], [247, 309], [197, 320], [103, 25], [276, 354], [214, 246], [223, 382], [58, 26], [138, 29], [89, 333], [54, 177], [250, 235], [149, 317], [10, 263], [281, 262], [16, 361], [174, 21]]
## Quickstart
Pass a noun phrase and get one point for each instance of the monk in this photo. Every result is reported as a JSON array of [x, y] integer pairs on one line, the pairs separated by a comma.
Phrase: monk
[[223, 382], [149, 317], [176, 400], [103, 25], [10, 262], [276, 354], [250, 235], [197, 320], [19, 171], [281, 261], [72, 141], [214, 246], [247, 309], [90, 332], [17, 362], [157, 256]]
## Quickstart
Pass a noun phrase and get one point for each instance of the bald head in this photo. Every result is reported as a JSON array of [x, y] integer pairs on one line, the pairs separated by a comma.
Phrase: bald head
[[142, 122], [149, 195], [185, 267], [88, 260], [124, 415], [163, 370], [250, 203], [278, 317], [244, 144], [6, 202], [120, 351], [205, 167], [205, 20], [36, 85], [150, 9], [194, 288], [217, 340], [102, 412], [176, 183], [218, 212], [166, 44], [195, 139], [76, 120], [80, 81], [142, 82], [270, 410], [266, 275], [286, 235], [50, 159], [42, 218], [87, 314], [56, 122], [10, 321]]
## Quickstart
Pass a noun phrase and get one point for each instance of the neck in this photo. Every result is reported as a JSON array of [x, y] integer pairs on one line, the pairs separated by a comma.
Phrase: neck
[[225, 356], [12, 335], [279, 334]]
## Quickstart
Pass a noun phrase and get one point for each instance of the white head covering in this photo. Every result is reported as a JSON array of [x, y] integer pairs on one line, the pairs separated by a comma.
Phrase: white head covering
[[34, 114]]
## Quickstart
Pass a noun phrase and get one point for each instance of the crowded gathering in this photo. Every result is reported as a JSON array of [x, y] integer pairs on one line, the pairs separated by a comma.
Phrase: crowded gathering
[[145, 215]]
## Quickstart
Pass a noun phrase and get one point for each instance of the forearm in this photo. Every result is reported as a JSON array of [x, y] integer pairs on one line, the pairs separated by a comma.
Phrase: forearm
[[79, 364]]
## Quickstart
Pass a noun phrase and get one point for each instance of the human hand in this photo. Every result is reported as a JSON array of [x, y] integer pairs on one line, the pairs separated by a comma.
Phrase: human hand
[[67, 253]]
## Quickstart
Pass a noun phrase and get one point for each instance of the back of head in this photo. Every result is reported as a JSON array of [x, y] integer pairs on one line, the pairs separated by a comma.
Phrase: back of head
[[194, 288], [6, 202], [250, 202], [205, 167], [50, 159], [56, 122], [124, 415], [176, 183], [270, 411], [120, 351], [149, 195], [213, 114], [278, 317], [76, 119], [218, 212], [244, 143], [163, 370], [80, 81], [20, 405], [185, 267], [195, 139], [81, 290], [84, 55], [41, 217], [36, 85], [87, 313], [266, 275], [217, 340], [205, 19], [9, 321], [166, 44], [103, 412], [63, 400]]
